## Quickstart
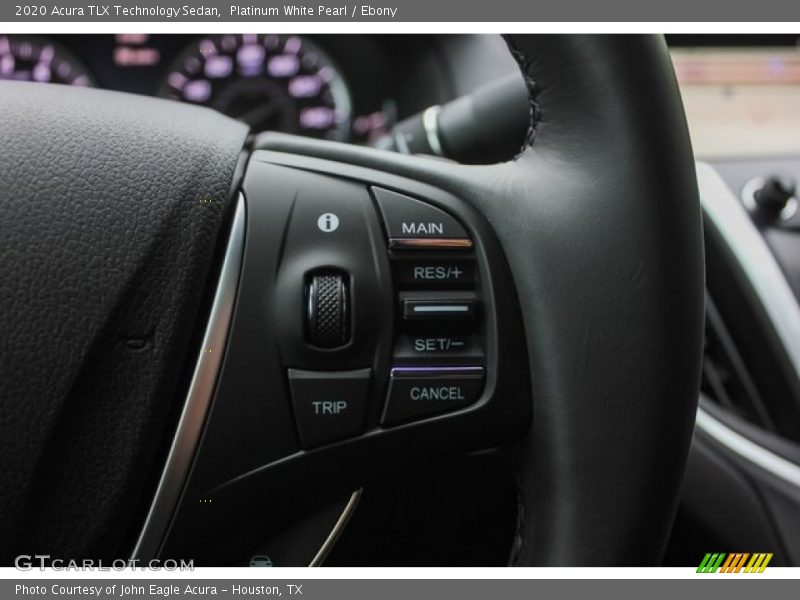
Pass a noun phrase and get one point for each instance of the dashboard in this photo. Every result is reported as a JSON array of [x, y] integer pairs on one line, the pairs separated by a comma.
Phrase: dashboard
[[741, 94], [341, 87]]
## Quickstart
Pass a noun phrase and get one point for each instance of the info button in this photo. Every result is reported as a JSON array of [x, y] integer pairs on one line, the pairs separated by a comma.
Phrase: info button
[[418, 392]]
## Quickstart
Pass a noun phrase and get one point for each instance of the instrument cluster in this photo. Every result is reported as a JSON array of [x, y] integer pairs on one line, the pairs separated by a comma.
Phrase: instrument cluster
[[344, 88]]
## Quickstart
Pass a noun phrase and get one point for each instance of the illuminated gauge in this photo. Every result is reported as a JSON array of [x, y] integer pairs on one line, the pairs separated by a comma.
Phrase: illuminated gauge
[[271, 82], [24, 58]]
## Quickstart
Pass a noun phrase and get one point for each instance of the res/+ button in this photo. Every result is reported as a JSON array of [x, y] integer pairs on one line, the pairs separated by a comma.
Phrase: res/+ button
[[433, 274]]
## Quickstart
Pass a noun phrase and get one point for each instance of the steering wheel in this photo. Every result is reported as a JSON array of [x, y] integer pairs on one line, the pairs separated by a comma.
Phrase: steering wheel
[[201, 340]]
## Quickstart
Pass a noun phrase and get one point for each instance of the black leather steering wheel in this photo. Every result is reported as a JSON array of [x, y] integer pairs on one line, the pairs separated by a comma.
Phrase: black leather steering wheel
[[116, 212]]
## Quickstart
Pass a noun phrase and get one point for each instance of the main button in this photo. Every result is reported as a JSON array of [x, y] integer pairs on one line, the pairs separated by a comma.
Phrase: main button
[[417, 392], [329, 405], [414, 224]]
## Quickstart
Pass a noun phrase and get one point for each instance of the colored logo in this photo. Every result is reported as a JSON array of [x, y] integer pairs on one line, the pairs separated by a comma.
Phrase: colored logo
[[737, 562]]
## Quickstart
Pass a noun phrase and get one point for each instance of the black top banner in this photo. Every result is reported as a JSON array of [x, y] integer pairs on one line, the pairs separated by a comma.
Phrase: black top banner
[[320, 11]]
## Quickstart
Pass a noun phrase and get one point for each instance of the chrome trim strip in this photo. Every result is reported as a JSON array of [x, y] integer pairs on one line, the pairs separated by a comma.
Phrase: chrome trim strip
[[401, 144], [443, 243], [442, 308], [430, 122], [198, 399], [755, 258], [435, 372], [748, 450], [337, 530]]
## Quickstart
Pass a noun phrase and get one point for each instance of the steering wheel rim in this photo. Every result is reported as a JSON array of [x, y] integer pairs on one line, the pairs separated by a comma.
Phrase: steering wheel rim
[[599, 220]]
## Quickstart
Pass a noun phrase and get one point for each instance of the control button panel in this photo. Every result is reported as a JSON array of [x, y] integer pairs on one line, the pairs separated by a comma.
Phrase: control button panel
[[407, 304], [329, 406], [416, 392], [414, 224], [438, 357]]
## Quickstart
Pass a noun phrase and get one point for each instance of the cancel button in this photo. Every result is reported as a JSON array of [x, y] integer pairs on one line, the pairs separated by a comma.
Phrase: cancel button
[[415, 393]]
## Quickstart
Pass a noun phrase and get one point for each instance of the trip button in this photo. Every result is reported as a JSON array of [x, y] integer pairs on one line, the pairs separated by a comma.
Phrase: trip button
[[329, 405], [413, 224], [417, 392]]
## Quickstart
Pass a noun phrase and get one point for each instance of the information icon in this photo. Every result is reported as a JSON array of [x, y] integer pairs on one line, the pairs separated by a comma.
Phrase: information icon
[[328, 222]]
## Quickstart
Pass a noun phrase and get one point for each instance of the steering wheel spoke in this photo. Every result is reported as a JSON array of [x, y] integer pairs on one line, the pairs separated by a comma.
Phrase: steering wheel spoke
[[376, 325]]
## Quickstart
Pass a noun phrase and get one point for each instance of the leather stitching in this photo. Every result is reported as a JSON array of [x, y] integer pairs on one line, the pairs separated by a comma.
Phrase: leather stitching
[[525, 63]]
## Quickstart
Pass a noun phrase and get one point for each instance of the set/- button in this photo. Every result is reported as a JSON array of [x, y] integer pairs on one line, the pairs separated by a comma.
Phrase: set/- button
[[437, 344], [329, 405], [412, 224], [419, 392]]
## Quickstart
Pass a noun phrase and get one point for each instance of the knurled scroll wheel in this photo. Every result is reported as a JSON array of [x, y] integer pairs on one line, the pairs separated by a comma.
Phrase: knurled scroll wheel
[[328, 310]]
